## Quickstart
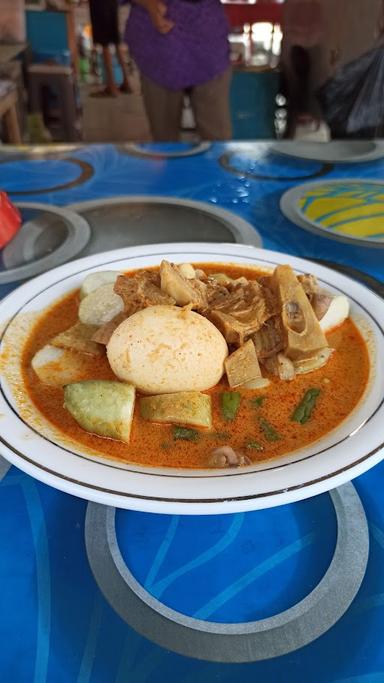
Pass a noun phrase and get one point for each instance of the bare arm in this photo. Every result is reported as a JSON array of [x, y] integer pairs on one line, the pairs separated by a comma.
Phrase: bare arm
[[157, 10]]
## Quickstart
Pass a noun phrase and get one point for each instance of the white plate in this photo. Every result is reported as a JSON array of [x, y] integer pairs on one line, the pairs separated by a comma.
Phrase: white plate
[[355, 446], [334, 152]]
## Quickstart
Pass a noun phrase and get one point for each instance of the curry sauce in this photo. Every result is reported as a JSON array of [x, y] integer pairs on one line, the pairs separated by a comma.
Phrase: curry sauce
[[341, 382]]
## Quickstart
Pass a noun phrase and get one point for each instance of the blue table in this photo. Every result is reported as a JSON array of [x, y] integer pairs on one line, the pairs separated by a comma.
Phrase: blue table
[[140, 607]]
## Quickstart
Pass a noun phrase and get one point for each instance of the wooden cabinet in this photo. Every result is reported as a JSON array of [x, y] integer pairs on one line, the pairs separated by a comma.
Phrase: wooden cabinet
[[52, 36]]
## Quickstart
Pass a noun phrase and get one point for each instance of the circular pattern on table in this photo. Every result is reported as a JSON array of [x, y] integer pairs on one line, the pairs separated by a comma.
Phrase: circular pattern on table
[[4, 467], [268, 637], [345, 210], [48, 237], [156, 150], [242, 164], [168, 553], [20, 176]]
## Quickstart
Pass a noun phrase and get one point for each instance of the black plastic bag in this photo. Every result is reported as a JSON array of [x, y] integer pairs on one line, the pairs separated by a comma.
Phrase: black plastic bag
[[353, 99]]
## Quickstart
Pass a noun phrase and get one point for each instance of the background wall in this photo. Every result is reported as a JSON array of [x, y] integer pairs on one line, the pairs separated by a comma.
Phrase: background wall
[[12, 21]]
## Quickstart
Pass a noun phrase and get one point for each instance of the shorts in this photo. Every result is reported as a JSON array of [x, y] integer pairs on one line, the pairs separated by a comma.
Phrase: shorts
[[105, 22]]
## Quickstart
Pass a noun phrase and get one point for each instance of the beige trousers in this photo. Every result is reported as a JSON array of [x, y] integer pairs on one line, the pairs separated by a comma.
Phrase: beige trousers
[[210, 105]]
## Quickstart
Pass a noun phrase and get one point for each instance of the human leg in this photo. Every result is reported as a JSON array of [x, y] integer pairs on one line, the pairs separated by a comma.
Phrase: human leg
[[125, 85], [210, 105], [110, 85], [304, 114], [163, 108], [105, 32]]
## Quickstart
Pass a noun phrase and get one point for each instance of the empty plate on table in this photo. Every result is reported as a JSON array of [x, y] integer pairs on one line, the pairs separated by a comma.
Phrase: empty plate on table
[[336, 151], [133, 220], [347, 210], [48, 237], [34, 444]]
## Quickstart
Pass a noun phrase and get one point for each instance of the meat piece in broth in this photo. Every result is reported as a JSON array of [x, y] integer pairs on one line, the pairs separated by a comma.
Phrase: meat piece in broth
[[320, 304], [226, 456], [79, 338], [184, 289], [320, 300], [242, 312], [281, 366], [105, 332], [309, 284], [269, 339], [140, 291]]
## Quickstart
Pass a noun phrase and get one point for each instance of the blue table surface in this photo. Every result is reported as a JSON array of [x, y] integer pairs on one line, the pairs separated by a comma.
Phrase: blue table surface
[[55, 623]]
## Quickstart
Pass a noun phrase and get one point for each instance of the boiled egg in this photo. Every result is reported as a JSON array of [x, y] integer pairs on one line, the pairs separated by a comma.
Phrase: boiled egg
[[337, 312], [58, 367], [164, 349]]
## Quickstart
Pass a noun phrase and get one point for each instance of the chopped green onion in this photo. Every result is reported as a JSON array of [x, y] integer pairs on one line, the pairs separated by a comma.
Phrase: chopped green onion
[[230, 404], [255, 445], [268, 430], [258, 401], [185, 434], [304, 409]]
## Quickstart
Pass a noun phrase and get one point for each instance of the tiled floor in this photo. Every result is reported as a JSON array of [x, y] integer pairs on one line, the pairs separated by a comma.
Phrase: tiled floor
[[123, 118], [114, 119]]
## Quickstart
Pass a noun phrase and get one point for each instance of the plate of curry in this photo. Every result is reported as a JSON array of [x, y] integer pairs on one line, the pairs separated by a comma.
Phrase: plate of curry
[[194, 379]]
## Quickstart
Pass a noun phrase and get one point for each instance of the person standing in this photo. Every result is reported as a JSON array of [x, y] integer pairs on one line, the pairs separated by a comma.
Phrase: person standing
[[320, 36], [303, 29], [182, 46], [105, 30]]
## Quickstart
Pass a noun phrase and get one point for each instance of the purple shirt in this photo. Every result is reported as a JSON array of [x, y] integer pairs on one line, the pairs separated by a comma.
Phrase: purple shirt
[[193, 52]]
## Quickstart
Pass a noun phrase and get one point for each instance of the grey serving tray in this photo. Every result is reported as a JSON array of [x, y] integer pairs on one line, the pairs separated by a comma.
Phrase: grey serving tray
[[49, 236], [335, 151], [133, 220]]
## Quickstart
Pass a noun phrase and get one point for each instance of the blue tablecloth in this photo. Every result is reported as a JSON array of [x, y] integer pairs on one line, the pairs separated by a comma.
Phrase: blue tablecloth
[[57, 616]]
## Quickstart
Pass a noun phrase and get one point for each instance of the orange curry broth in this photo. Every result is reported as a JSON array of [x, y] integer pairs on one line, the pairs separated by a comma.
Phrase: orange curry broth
[[342, 382]]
